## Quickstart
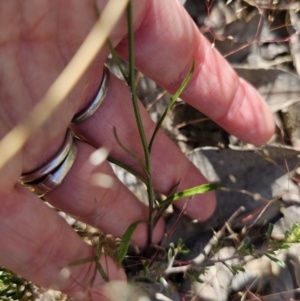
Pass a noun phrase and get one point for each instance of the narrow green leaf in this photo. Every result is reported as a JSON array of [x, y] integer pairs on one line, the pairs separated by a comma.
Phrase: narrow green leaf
[[162, 209], [171, 103], [82, 261], [246, 241], [101, 271], [198, 279], [5, 291], [285, 246], [184, 251], [276, 260], [180, 243], [191, 192], [244, 246], [271, 252], [126, 167], [123, 247], [138, 118], [131, 82], [269, 233], [238, 268], [174, 189], [170, 255], [204, 253], [217, 246], [130, 153], [293, 236]]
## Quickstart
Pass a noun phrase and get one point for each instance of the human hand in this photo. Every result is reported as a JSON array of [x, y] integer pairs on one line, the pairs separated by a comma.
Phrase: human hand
[[37, 41]]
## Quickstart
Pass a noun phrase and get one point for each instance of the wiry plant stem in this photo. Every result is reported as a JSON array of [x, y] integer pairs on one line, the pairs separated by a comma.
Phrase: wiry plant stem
[[139, 120]]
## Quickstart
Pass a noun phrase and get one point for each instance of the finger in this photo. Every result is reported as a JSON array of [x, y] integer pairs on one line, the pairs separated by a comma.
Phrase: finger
[[165, 43], [35, 49], [39, 245], [110, 207], [169, 165]]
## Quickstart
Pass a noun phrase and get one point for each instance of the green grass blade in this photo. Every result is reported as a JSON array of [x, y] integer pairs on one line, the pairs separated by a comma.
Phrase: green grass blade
[[130, 153], [150, 191], [82, 261], [174, 189], [276, 260], [101, 271], [126, 167], [132, 82], [123, 247], [171, 103], [191, 192], [162, 208]]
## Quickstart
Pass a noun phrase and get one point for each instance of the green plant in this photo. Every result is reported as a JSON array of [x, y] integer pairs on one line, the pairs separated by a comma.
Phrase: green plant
[[13, 287], [145, 163], [147, 146]]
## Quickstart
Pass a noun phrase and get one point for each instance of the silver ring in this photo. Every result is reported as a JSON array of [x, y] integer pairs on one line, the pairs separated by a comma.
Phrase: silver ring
[[95, 104], [54, 177], [55, 162]]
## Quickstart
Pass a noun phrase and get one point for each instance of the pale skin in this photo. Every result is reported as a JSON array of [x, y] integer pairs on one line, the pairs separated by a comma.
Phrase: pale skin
[[37, 40]]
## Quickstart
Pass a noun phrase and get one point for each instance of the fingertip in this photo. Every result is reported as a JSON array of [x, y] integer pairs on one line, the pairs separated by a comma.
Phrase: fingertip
[[114, 271], [261, 123], [200, 207], [265, 119], [249, 116], [205, 206]]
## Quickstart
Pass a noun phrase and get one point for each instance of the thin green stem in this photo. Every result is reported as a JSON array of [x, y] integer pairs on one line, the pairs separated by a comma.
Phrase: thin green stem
[[130, 153], [116, 59], [126, 167], [171, 103], [138, 118]]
